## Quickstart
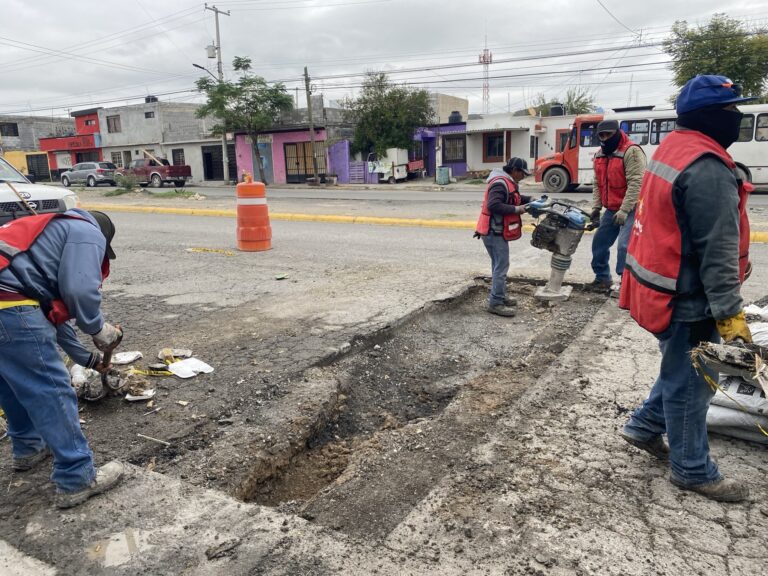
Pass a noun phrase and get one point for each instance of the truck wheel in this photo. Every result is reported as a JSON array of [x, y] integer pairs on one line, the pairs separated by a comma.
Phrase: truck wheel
[[556, 180], [392, 180], [91, 182], [156, 181]]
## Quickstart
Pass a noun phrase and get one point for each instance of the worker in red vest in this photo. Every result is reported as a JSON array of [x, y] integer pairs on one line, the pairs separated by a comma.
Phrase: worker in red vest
[[687, 258], [619, 166], [51, 270], [500, 223]]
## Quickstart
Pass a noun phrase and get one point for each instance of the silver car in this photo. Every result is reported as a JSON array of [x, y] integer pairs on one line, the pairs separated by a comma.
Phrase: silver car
[[90, 173]]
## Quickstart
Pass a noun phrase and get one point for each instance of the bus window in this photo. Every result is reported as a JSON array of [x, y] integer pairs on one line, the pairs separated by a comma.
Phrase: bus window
[[636, 130], [589, 137], [660, 128], [761, 134], [573, 140], [747, 128]]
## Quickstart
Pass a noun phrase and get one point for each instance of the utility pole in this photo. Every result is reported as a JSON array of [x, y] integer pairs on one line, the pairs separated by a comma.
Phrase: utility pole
[[224, 153], [311, 125]]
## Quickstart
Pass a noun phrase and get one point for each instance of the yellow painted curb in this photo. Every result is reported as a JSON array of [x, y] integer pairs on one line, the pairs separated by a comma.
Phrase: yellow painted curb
[[754, 237]]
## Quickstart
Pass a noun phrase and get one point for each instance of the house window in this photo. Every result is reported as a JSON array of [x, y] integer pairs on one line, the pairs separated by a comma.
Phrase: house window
[[493, 147], [90, 122], [454, 149], [117, 159], [113, 124], [661, 128], [534, 147], [149, 114], [9, 129], [177, 154], [636, 130]]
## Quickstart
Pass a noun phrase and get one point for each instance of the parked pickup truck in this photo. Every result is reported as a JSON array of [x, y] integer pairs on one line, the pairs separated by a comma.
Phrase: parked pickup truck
[[156, 172], [31, 197]]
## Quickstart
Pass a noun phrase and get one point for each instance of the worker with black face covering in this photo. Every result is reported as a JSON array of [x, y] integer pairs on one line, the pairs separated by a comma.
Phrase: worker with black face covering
[[688, 255], [619, 167]]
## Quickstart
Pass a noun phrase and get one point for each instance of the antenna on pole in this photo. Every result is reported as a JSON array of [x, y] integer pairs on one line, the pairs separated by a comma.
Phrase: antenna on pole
[[485, 59]]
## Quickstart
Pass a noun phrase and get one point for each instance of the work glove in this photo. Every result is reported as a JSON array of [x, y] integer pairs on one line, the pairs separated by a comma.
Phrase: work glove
[[594, 218], [99, 365], [108, 337], [476, 235], [619, 218], [734, 328]]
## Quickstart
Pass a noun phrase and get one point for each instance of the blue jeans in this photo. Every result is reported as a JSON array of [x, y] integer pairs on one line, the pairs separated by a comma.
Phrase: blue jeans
[[38, 399], [678, 404], [604, 238], [498, 250]]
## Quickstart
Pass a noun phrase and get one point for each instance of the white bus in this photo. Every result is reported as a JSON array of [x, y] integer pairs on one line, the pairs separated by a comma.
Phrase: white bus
[[647, 127]]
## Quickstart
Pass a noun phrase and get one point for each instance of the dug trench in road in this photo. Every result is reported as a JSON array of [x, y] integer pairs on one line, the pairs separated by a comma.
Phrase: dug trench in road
[[375, 425]]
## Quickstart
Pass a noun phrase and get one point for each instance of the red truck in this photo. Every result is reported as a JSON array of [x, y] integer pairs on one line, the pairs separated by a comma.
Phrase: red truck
[[156, 172]]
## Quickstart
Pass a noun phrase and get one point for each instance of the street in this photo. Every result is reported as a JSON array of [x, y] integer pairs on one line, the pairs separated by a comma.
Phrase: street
[[365, 415]]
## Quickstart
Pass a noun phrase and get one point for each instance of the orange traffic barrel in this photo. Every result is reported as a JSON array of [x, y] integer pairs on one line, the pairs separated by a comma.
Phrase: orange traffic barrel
[[254, 233]]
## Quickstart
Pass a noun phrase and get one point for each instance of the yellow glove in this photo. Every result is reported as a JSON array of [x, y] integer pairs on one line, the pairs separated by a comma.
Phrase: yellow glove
[[734, 328]]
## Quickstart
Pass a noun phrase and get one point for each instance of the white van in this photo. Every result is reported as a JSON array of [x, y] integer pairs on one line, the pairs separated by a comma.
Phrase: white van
[[40, 198]]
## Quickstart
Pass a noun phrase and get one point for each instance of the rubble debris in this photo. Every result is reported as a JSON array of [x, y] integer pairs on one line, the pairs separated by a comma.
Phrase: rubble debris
[[169, 355], [225, 548], [122, 358], [281, 277], [144, 395], [189, 368], [163, 442]]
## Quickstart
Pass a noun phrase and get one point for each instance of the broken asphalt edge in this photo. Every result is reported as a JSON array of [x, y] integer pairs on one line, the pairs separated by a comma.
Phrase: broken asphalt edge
[[754, 237]]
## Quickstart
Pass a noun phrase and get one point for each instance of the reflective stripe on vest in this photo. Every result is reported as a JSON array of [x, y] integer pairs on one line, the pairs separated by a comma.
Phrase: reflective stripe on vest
[[655, 252]]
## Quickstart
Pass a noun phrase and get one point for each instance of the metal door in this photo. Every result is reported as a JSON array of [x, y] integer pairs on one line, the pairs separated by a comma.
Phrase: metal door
[[298, 161], [37, 164]]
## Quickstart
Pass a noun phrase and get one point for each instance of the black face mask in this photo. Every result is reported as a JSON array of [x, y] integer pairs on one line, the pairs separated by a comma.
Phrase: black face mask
[[610, 145], [716, 122]]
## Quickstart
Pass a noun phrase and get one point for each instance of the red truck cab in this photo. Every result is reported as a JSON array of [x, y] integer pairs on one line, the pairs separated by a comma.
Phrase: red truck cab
[[156, 172]]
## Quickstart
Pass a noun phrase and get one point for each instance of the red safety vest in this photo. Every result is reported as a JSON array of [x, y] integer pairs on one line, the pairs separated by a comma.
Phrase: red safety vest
[[654, 255], [610, 176], [512, 223], [17, 237]]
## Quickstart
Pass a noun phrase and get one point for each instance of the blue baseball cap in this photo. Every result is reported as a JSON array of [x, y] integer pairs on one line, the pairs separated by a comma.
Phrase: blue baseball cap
[[708, 90]]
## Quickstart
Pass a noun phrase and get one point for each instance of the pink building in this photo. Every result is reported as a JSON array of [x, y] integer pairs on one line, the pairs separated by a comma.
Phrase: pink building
[[286, 155]]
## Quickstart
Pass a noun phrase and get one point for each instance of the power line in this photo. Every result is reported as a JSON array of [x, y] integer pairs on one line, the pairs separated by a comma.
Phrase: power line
[[619, 22]]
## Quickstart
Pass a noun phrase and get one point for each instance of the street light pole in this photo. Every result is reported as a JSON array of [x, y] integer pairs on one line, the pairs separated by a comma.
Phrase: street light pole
[[224, 153]]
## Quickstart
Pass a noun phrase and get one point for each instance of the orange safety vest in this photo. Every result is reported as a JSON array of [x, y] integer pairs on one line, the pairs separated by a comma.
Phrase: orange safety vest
[[512, 223], [654, 255], [610, 175], [17, 237]]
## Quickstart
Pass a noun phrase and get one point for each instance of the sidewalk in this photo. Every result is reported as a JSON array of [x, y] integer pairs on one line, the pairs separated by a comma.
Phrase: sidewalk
[[551, 490]]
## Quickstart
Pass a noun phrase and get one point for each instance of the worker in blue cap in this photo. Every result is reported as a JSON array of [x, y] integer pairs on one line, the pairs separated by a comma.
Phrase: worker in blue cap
[[687, 258]]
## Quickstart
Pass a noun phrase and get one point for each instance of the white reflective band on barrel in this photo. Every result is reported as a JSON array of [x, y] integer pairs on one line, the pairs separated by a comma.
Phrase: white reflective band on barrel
[[251, 201], [8, 249], [663, 171], [652, 278]]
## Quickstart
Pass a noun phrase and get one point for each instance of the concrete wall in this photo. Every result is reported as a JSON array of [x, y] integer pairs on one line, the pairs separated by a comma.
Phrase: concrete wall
[[443, 105], [31, 129]]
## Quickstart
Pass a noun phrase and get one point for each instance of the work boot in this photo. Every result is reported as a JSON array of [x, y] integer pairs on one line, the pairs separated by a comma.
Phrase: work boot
[[25, 463], [656, 447], [601, 286], [724, 490], [501, 310], [107, 477], [510, 301]]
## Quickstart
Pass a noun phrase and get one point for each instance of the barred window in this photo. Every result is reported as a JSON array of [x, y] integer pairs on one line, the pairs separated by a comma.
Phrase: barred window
[[454, 148], [117, 159]]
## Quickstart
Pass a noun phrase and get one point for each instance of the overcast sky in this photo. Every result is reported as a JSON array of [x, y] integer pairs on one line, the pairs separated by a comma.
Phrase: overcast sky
[[60, 55]]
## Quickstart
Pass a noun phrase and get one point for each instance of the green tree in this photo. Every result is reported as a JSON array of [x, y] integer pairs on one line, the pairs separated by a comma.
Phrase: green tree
[[577, 101], [248, 103], [723, 46], [386, 115]]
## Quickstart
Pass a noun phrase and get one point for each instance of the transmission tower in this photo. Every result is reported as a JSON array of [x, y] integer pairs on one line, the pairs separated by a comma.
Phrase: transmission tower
[[485, 59]]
